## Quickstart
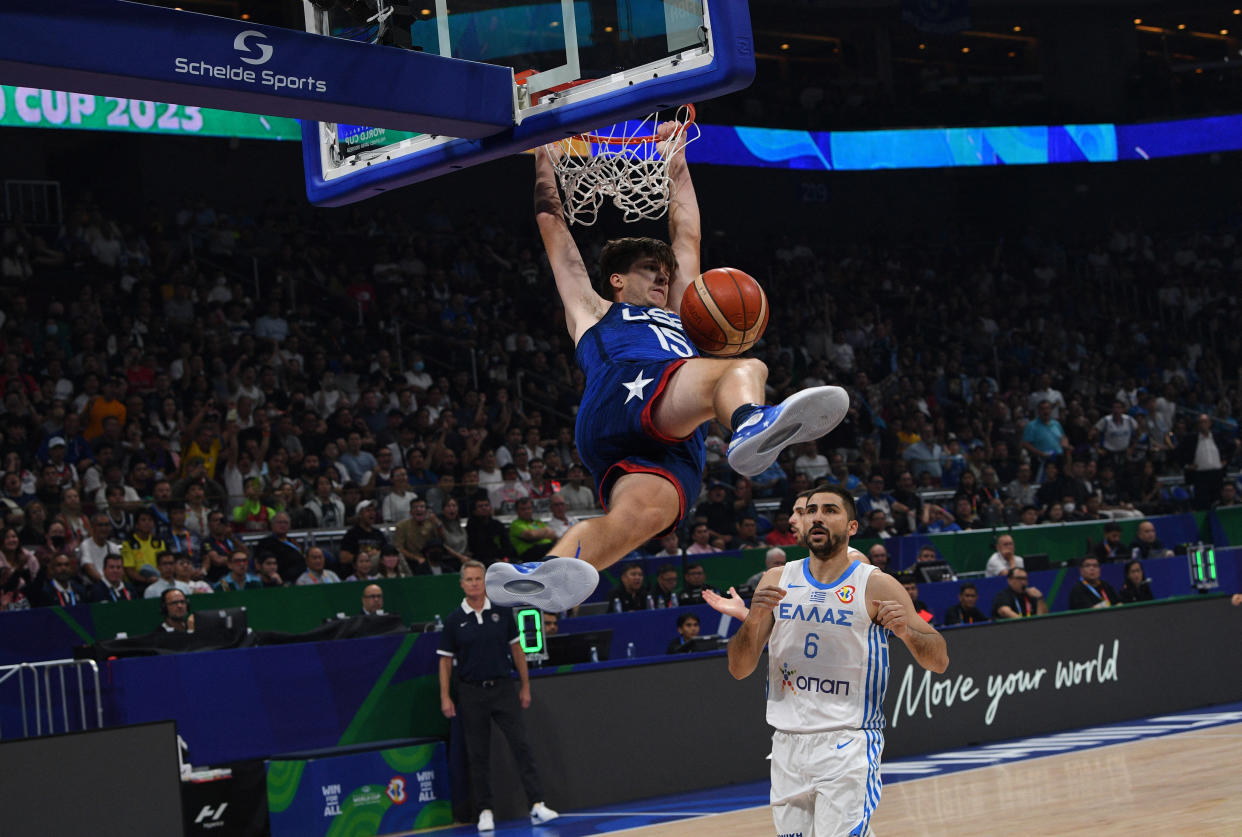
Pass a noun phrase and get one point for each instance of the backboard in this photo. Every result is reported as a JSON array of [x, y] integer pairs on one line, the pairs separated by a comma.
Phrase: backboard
[[578, 65]]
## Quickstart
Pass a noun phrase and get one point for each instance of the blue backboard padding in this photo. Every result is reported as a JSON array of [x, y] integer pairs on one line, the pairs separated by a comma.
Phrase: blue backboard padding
[[732, 68], [118, 48]]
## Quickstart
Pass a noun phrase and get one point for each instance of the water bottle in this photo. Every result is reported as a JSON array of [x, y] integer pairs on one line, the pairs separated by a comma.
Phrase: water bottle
[[616, 606], [439, 623], [594, 654], [629, 650], [650, 602]]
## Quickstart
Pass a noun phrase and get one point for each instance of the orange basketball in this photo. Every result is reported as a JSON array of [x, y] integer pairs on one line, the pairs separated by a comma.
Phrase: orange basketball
[[724, 312]]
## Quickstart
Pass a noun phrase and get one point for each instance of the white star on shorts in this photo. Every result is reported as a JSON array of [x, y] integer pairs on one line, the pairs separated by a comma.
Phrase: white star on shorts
[[636, 387]]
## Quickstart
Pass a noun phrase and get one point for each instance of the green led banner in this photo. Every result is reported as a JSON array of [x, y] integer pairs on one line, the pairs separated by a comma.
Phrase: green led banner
[[29, 107]]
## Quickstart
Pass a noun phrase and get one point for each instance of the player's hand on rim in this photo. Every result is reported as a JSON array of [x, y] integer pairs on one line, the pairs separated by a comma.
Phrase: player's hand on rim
[[891, 616], [767, 598]]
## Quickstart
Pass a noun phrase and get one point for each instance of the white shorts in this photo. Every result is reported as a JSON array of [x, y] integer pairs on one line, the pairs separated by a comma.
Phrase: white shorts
[[825, 784]]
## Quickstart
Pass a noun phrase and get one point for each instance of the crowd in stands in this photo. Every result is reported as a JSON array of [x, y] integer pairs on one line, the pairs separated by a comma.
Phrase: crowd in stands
[[161, 408]]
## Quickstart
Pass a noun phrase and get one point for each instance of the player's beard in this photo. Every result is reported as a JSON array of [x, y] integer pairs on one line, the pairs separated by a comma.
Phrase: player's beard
[[834, 543]]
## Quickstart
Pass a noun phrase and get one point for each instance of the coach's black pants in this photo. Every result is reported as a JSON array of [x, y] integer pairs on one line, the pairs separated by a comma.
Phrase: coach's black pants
[[478, 706]]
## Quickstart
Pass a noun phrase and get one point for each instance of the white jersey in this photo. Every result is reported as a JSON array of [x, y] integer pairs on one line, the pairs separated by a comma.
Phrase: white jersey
[[827, 660]]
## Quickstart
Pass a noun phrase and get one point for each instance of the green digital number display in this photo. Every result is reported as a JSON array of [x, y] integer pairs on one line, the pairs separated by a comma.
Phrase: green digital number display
[[530, 630], [1203, 566]]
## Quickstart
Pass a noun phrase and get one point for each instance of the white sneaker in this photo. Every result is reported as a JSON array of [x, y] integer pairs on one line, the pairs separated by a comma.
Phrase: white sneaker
[[540, 813], [486, 823], [553, 585], [802, 417]]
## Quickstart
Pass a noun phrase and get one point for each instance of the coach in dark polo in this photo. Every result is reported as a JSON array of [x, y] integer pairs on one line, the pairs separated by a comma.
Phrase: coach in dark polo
[[482, 640]]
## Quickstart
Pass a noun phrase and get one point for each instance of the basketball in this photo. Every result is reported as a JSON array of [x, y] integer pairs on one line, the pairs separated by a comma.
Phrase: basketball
[[724, 312]]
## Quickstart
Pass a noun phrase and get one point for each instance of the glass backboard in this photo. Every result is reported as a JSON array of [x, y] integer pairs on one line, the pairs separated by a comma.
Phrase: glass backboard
[[578, 66]]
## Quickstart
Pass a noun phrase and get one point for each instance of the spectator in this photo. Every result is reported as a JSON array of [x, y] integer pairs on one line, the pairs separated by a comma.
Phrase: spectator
[[218, 546], [1146, 544], [1004, 559], [965, 516], [112, 587], [1111, 548], [183, 576], [1091, 591], [239, 577], [363, 535], [529, 538], [775, 557], [694, 583], [669, 547], [687, 633], [1044, 438], [746, 537], [782, 533], [840, 474], [700, 540], [1116, 434], [1204, 456], [414, 533], [453, 536], [326, 508], [718, 512], [920, 606], [877, 527], [506, 494], [664, 594], [316, 573], [1022, 489], [287, 552], [878, 556], [365, 564], [924, 455], [877, 499], [1018, 600], [811, 462], [1136, 587], [60, 588], [629, 595], [1228, 496], [166, 564], [397, 500], [578, 497], [392, 564], [140, 550], [373, 600], [358, 463], [560, 521], [965, 612], [93, 550], [487, 538]]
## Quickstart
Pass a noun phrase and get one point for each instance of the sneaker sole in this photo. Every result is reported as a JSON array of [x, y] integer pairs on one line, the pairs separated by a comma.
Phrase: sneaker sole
[[805, 416], [555, 585]]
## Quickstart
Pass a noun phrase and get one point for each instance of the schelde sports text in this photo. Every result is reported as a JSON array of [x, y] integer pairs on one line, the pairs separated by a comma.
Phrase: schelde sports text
[[267, 78]]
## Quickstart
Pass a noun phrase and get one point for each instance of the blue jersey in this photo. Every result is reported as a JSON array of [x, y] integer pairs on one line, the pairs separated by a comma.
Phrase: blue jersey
[[628, 358], [630, 334]]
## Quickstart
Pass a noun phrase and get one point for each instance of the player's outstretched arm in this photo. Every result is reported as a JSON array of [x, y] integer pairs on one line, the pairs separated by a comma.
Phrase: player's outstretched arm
[[583, 306], [684, 228], [747, 644], [731, 605], [892, 609]]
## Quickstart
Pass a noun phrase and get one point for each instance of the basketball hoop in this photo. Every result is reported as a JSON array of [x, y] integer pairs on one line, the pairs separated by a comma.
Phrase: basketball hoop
[[628, 164]]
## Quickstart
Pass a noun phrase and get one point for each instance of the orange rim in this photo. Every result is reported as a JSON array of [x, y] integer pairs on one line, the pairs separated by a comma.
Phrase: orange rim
[[605, 140]]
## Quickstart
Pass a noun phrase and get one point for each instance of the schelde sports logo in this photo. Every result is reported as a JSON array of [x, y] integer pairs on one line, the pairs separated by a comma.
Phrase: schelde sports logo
[[396, 790], [846, 594], [240, 43], [254, 50], [787, 678]]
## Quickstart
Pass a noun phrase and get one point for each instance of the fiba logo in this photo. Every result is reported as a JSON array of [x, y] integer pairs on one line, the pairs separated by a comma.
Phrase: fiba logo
[[241, 44], [787, 678], [396, 790], [846, 594]]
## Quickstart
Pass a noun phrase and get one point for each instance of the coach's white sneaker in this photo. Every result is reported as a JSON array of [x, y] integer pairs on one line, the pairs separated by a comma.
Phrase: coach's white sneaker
[[486, 822], [540, 813], [802, 417], [552, 586]]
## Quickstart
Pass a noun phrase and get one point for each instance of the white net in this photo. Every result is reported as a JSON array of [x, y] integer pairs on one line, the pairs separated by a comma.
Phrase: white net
[[626, 164]]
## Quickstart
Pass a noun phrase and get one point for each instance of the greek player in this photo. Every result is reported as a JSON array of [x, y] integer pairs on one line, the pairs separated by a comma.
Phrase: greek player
[[648, 393], [826, 620]]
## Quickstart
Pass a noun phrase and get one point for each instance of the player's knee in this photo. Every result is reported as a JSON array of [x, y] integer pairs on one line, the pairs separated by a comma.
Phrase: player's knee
[[751, 367]]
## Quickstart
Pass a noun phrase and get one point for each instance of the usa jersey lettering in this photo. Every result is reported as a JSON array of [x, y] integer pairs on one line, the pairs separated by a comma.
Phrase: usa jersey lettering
[[631, 334]]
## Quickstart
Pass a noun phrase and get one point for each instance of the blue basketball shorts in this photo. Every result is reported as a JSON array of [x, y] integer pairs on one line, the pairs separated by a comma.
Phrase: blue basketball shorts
[[615, 433]]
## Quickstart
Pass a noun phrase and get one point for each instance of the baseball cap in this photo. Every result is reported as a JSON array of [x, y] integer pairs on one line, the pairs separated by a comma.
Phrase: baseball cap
[[56, 441], [365, 504]]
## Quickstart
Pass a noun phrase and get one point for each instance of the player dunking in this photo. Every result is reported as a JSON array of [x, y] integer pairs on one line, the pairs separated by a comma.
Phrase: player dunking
[[826, 619], [648, 393]]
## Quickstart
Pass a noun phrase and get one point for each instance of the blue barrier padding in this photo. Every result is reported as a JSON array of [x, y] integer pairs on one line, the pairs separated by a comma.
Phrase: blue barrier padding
[[42, 634]]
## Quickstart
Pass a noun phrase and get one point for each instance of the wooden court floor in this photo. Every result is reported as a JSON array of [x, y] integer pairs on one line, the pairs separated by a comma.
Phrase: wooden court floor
[[1184, 784]]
